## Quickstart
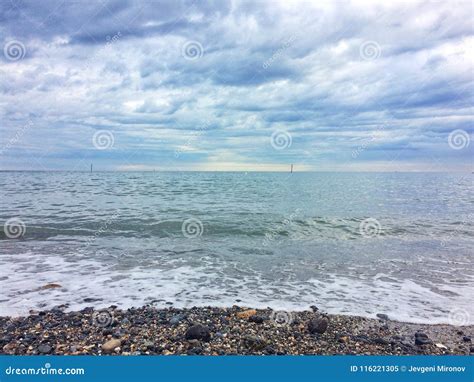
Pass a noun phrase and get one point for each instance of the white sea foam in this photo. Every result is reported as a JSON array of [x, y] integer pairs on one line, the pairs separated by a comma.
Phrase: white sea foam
[[187, 286]]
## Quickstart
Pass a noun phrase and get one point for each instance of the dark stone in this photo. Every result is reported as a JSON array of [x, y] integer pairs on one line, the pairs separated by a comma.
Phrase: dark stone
[[466, 339], [44, 349], [91, 299], [195, 351], [318, 325], [125, 321], [106, 332], [471, 349], [257, 319], [175, 320], [421, 335], [460, 332], [422, 339], [269, 350], [361, 338], [198, 332], [30, 338], [382, 316], [57, 312], [380, 341], [314, 308], [254, 343]]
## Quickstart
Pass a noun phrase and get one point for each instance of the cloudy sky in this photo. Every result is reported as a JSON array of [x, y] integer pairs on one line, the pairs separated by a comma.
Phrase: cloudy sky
[[236, 85]]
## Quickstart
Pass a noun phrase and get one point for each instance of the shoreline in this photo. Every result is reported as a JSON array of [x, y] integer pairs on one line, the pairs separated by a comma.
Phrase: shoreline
[[223, 331]]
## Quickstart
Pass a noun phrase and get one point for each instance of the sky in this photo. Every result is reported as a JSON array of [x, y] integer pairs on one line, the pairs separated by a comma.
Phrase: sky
[[236, 85]]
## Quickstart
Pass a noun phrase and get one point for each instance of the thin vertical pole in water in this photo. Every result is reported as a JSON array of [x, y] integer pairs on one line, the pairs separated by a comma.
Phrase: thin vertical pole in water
[[91, 167], [291, 169]]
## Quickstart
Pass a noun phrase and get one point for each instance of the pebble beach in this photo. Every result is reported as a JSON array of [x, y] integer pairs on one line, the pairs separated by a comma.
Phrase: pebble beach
[[223, 331]]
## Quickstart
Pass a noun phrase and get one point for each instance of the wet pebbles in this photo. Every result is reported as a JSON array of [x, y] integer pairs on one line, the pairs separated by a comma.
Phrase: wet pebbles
[[222, 331]]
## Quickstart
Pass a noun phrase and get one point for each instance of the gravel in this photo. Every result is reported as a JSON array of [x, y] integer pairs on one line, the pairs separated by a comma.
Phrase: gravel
[[221, 331]]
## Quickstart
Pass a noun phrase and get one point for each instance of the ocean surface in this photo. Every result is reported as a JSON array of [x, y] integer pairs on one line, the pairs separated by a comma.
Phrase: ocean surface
[[351, 243]]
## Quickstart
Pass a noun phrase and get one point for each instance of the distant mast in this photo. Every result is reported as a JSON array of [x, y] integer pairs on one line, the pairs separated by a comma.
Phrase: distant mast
[[91, 167], [291, 171]]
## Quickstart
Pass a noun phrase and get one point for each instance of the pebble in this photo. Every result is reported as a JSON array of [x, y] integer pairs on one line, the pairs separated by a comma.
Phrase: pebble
[[50, 286], [382, 316], [224, 334], [198, 332], [44, 349], [257, 319], [318, 325], [254, 342], [175, 320], [422, 339], [246, 313], [380, 341], [110, 345]]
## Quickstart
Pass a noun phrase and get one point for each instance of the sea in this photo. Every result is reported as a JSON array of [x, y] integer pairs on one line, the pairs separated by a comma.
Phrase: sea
[[400, 244]]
